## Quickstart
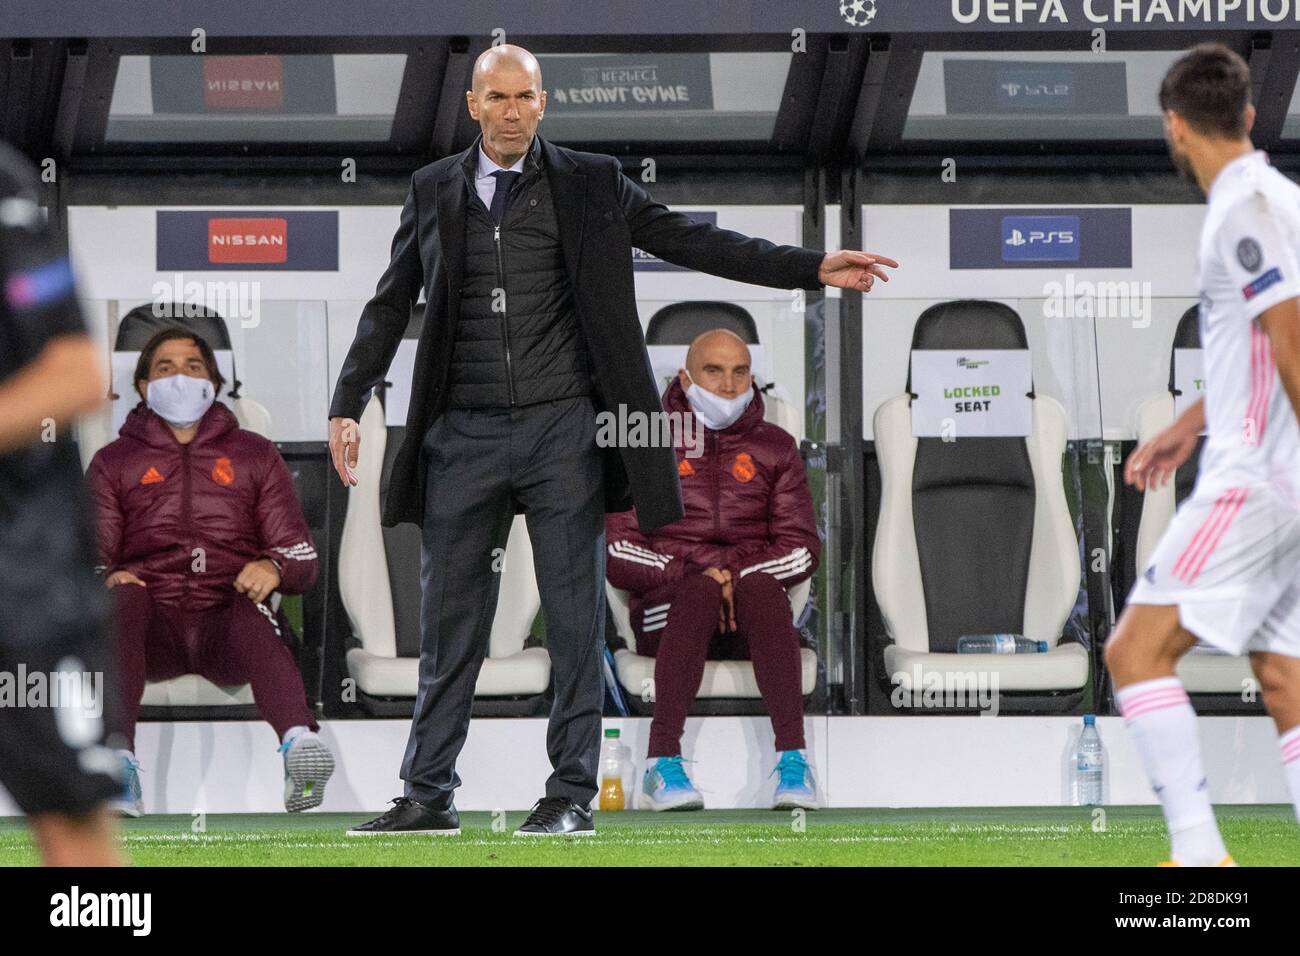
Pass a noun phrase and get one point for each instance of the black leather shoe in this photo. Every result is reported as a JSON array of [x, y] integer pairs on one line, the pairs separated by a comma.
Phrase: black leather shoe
[[557, 816], [410, 816]]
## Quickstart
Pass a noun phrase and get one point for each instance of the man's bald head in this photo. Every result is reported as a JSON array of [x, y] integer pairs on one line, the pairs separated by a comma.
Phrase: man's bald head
[[506, 99], [507, 57], [718, 361]]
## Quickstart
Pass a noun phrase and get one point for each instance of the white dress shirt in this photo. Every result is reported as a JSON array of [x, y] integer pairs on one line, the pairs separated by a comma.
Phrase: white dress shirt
[[485, 184]]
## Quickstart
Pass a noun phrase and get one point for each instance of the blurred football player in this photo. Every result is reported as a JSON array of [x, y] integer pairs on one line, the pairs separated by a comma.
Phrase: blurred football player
[[1227, 570], [53, 760]]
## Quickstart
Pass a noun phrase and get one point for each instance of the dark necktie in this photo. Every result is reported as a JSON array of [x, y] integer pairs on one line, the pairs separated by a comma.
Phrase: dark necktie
[[501, 198]]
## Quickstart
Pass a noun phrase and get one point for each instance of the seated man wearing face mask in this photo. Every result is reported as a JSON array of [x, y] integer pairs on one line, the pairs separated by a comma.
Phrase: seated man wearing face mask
[[713, 584], [198, 524]]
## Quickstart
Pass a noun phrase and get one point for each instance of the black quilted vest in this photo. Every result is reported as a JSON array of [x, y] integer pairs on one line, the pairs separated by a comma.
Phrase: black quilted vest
[[523, 346]]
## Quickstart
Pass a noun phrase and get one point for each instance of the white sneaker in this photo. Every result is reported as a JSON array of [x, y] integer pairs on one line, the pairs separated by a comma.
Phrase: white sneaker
[[131, 802], [666, 786], [308, 764], [796, 787]]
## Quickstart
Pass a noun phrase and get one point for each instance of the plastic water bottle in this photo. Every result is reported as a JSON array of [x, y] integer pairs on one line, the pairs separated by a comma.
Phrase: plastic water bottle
[[611, 772], [999, 644], [1089, 767]]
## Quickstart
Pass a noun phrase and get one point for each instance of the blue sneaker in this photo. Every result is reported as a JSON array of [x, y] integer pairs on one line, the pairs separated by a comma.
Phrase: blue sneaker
[[665, 786], [796, 787], [308, 764], [131, 802]]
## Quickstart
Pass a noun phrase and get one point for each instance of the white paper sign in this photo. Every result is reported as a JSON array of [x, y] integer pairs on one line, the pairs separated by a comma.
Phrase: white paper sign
[[1189, 378], [971, 393], [123, 370]]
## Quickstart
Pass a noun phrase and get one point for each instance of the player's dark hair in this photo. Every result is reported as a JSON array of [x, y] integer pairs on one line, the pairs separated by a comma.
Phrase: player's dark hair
[[176, 332], [1210, 88]]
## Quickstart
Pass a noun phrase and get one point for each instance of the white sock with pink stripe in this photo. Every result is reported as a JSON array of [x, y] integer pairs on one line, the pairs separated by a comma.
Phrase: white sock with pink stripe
[[1289, 743], [1160, 719]]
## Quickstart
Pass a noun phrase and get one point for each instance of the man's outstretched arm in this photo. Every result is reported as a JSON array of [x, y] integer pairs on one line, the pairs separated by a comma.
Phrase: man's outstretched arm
[[704, 247]]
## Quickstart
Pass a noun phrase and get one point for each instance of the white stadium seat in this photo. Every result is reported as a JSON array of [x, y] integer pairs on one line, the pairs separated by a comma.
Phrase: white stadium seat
[[385, 663], [1036, 605]]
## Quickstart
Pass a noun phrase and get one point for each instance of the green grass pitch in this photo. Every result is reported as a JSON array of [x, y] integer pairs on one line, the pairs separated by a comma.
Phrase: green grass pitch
[[998, 836]]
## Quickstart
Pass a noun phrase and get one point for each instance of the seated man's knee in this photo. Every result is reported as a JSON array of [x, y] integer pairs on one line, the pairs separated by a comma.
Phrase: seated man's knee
[[700, 587], [699, 597], [758, 583]]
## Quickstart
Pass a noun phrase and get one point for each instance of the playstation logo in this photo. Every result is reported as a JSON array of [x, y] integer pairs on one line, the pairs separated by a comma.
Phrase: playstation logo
[[1017, 238]]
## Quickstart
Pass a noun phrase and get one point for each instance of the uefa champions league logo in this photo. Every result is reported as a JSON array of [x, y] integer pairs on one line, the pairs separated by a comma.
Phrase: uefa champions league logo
[[858, 12]]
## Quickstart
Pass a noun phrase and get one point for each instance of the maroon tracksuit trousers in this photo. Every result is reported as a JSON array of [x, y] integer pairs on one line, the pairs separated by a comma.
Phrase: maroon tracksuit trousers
[[678, 627], [238, 643]]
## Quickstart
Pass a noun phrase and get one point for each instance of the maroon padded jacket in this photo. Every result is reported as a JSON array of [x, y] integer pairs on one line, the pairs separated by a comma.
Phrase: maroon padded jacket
[[228, 492], [747, 510]]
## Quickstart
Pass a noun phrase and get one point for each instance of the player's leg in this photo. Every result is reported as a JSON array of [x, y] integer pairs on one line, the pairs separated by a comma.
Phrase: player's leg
[[466, 527], [53, 757], [133, 613], [763, 617], [676, 630], [242, 643], [1279, 682], [148, 648], [675, 626], [86, 840], [1141, 656], [772, 644], [556, 474]]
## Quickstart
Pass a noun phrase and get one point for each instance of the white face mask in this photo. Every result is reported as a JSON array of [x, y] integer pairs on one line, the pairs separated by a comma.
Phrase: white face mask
[[715, 411], [180, 400]]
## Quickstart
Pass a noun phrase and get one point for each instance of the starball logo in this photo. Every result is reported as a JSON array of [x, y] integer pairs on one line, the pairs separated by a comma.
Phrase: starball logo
[[858, 13]]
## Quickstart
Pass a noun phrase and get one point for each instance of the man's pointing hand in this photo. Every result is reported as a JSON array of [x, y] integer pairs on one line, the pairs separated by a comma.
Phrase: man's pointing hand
[[850, 269]]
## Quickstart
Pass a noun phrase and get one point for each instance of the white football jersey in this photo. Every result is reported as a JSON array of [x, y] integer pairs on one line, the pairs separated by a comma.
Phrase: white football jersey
[[1248, 262]]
